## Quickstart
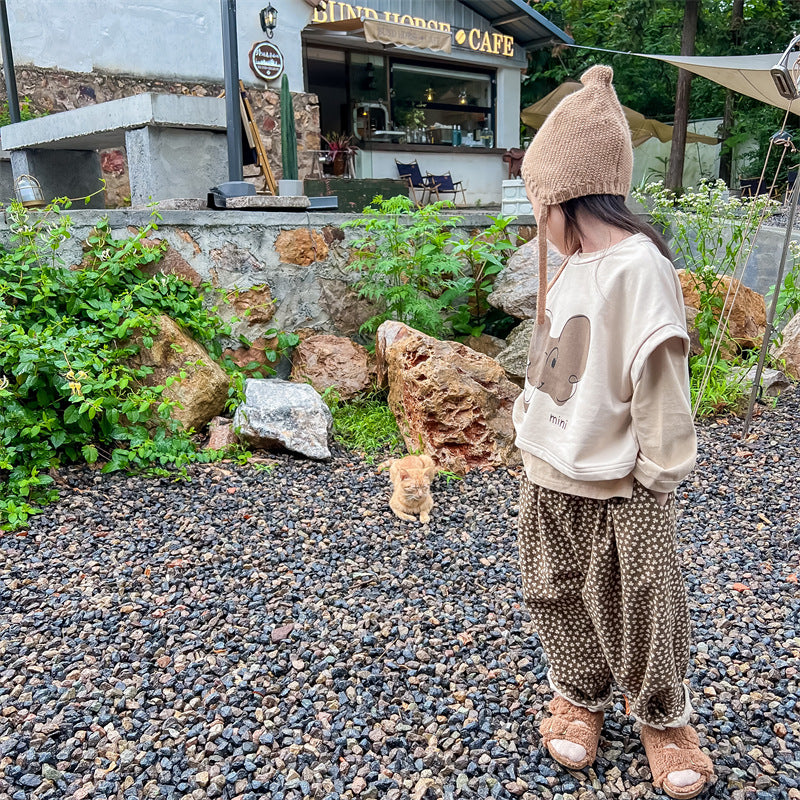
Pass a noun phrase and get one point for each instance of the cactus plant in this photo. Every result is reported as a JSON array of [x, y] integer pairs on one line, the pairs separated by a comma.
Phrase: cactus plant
[[288, 134]]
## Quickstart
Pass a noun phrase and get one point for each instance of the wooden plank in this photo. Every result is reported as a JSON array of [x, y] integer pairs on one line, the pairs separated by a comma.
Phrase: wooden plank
[[261, 153]]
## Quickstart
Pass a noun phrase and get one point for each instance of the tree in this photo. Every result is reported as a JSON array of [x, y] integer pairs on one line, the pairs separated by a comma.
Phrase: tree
[[726, 155], [678, 149]]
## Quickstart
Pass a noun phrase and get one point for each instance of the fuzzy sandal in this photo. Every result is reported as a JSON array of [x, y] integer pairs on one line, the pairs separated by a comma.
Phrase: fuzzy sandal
[[562, 725], [664, 760]]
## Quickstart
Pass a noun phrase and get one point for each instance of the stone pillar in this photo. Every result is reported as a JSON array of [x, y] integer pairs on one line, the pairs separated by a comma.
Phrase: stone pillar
[[62, 173], [165, 163], [6, 178]]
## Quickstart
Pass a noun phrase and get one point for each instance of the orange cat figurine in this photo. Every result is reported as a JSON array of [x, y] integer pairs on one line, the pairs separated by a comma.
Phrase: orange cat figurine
[[411, 477]]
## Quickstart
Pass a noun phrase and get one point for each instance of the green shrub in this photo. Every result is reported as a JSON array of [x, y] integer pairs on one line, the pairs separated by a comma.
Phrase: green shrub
[[406, 264], [712, 235], [25, 112], [789, 296], [417, 272], [67, 391], [486, 254], [364, 424]]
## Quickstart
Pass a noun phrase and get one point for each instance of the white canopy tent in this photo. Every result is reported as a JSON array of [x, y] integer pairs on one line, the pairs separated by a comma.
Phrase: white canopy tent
[[749, 75]]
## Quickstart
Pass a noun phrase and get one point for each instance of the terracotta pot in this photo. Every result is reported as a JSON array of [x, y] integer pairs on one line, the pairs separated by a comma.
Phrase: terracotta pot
[[339, 163]]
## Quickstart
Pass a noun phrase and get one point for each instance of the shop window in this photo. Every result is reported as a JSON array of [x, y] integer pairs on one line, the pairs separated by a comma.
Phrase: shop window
[[369, 92], [326, 76], [378, 99], [442, 106]]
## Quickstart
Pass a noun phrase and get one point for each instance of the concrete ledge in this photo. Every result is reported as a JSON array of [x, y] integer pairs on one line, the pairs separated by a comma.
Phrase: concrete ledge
[[104, 124], [122, 217], [268, 202]]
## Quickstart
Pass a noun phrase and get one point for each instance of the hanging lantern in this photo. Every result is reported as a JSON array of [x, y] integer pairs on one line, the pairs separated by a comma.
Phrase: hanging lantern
[[462, 97], [29, 191], [269, 20], [429, 95]]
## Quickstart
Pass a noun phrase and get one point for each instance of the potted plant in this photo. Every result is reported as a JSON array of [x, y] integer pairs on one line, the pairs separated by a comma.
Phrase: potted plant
[[340, 146], [289, 185]]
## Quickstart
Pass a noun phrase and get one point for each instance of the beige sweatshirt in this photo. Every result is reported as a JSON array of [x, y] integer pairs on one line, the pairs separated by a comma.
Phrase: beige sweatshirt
[[606, 396]]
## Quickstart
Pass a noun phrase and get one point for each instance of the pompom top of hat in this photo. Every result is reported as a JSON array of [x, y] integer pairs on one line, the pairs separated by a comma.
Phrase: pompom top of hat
[[598, 75]]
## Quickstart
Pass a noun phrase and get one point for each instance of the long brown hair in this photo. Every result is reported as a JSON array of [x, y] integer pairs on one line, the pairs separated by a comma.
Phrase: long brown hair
[[610, 209]]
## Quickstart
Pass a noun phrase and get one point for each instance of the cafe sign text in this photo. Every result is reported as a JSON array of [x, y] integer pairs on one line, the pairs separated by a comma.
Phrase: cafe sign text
[[497, 44]]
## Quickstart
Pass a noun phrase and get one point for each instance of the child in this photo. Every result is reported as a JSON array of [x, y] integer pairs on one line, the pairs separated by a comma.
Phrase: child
[[606, 435]]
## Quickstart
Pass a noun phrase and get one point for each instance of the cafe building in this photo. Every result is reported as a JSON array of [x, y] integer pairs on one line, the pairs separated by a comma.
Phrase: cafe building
[[432, 81]]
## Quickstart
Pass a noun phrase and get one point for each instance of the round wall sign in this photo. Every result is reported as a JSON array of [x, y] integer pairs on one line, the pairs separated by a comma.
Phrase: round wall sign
[[266, 61]]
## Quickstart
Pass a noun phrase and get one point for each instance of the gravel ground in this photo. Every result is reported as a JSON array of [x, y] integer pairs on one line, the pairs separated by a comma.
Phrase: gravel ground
[[281, 634]]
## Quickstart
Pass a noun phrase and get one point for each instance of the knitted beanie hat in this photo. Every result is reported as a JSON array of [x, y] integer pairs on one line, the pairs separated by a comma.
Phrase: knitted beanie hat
[[583, 147]]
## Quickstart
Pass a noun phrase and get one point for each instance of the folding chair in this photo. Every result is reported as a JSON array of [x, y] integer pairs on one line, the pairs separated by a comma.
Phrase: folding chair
[[444, 184], [791, 177], [411, 174], [750, 187]]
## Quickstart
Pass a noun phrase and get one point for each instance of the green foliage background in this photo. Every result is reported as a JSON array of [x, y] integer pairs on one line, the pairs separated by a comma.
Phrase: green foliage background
[[654, 26]]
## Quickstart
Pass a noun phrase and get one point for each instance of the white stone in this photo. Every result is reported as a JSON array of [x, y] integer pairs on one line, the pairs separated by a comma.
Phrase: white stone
[[516, 287], [279, 413], [514, 358]]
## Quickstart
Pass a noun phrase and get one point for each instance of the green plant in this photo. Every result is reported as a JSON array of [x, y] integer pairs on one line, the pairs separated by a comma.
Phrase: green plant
[[486, 254], [449, 476], [789, 296], [68, 390], [413, 117], [364, 424], [711, 234], [338, 142], [288, 134], [25, 112], [725, 390], [406, 264]]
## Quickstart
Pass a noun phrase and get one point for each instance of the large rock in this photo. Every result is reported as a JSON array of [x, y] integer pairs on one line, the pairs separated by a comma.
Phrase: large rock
[[748, 320], [326, 361], [487, 344], [279, 413], [451, 401], [695, 348], [301, 246], [514, 359], [202, 394], [516, 287], [789, 350], [773, 381], [386, 335]]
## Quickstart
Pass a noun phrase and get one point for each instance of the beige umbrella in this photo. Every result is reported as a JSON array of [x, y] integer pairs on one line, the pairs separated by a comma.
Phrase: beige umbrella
[[641, 127]]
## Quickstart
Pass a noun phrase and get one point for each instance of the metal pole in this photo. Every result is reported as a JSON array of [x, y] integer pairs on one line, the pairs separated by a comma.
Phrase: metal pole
[[8, 65], [233, 113], [773, 305]]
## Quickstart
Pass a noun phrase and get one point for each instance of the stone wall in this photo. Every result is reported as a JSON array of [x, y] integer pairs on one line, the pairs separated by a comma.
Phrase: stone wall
[[51, 91], [285, 271]]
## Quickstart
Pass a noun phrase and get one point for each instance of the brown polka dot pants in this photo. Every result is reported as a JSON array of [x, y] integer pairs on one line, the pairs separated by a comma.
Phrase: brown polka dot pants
[[602, 582]]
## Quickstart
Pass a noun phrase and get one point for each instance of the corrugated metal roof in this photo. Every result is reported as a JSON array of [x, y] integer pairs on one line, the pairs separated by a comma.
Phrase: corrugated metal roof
[[516, 18]]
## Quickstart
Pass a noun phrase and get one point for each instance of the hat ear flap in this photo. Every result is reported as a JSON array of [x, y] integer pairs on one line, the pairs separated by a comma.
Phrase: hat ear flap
[[541, 295]]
